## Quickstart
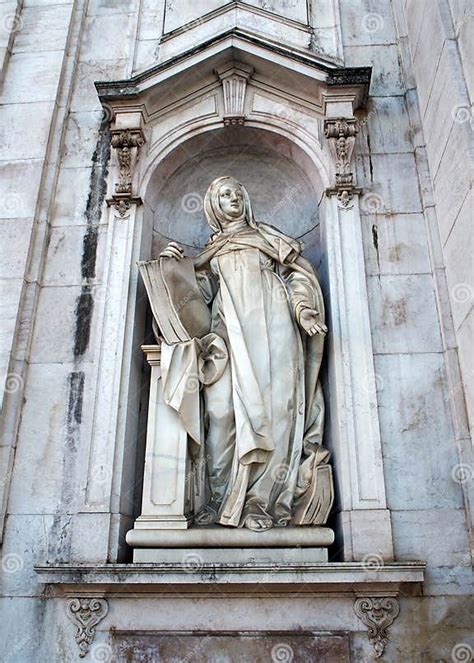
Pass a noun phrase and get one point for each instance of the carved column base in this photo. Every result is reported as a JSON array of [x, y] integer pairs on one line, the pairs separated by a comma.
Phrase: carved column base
[[377, 613]]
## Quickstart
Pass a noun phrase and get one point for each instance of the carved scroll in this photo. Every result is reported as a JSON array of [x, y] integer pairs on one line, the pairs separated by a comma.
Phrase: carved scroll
[[341, 134], [377, 613], [85, 614], [126, 142]]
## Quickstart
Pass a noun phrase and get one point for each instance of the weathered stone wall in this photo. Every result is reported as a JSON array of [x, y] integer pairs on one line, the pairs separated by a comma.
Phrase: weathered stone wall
[[412, 157]]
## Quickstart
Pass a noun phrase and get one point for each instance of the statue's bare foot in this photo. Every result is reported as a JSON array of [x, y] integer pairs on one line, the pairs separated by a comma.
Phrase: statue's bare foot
[[206, 516], [258, 523]]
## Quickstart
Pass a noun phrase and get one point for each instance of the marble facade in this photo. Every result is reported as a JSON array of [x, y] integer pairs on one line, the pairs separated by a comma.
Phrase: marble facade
[[114, 108]]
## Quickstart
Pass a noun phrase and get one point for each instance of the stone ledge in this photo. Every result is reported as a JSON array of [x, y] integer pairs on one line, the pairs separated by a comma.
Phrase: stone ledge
[[355, 578], [225, 537]]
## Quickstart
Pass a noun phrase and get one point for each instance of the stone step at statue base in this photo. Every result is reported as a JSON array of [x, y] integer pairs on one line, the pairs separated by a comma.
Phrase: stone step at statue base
[[193, 559]]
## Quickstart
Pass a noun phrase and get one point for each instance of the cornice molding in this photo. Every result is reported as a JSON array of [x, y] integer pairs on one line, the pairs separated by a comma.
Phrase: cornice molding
[[332, 75]]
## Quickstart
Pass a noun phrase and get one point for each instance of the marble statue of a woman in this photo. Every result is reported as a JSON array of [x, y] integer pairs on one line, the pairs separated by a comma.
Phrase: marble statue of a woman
[[263, 417]]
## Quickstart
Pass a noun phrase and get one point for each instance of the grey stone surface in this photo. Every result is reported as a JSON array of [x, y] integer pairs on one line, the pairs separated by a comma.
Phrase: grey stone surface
[[420, 97]]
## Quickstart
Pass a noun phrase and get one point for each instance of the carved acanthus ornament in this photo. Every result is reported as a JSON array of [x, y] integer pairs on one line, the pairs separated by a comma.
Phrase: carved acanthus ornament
[[234, 77], [85, 614], [378, 614], [126, 142], [341, 134]]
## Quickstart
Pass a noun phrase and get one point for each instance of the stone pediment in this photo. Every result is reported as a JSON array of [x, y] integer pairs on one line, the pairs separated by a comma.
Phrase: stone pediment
[[296, 73], [295, 23]]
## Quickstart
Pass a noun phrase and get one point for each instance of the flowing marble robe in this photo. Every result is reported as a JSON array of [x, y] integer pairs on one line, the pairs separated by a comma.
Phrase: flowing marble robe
[[265, 415]]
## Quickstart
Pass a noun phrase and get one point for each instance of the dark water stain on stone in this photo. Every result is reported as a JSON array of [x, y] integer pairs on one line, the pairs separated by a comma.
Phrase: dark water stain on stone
[[396, 311], [84, 309], [371, 165], [375, 237], [76, 394], [395, 253], [97, 193], [89, 252], [59, 539], [75, 405], [99, 172]]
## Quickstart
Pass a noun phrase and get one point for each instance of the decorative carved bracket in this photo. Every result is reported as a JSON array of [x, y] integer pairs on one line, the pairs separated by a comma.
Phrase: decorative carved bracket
[[85, 614], [341, 134], [377, 613], [234, 77], [126, 142], [123, 202]]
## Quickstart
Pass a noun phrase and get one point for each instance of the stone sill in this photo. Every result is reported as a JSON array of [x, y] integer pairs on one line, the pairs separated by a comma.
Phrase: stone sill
[[160, 578]]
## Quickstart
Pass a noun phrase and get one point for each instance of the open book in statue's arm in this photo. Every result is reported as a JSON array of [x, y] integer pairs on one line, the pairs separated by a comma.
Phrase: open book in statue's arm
[[176, 301]]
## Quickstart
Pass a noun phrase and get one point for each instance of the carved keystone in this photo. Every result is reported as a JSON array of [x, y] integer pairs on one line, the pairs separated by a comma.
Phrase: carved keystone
[[85, 614], [234, 77], [377, 613]]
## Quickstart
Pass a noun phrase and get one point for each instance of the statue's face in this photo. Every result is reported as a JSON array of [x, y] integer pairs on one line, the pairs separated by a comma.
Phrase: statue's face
[[231, 200]]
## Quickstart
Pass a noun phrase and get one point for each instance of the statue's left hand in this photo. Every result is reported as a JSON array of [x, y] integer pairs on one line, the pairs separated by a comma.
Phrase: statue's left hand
[[309, 321]]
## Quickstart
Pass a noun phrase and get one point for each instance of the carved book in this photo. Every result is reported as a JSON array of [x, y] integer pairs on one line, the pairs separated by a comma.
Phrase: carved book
[[175, 298]]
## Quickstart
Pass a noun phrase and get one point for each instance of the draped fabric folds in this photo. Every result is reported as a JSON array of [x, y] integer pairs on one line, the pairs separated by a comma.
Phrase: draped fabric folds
[[248, 392], [265, 417]]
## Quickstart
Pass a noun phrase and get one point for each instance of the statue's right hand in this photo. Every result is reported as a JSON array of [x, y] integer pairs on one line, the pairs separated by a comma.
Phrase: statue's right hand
[[173, 250]]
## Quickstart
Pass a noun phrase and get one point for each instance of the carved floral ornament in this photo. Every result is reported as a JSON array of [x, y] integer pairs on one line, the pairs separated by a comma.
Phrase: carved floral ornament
[[126, 142], [341, 133], [377, 613], [85, 614]]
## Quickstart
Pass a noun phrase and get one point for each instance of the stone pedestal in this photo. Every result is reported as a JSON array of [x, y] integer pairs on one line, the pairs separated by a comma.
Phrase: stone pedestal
[[166, 490], [161, 532]]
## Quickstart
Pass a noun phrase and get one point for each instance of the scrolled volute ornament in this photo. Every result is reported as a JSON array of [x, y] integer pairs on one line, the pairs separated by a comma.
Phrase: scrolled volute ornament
[[378, 614], [85, 614], [341, 133]]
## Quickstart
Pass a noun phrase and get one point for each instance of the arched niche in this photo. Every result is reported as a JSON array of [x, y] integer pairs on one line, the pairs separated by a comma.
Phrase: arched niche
[[286, 189], [182, 134]]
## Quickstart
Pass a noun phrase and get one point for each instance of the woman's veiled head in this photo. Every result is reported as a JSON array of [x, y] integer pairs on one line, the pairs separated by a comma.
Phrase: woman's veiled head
[[227, 205]]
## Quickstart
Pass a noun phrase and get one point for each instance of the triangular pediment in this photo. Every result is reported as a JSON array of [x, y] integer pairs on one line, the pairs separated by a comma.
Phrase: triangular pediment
[[298, 73]]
